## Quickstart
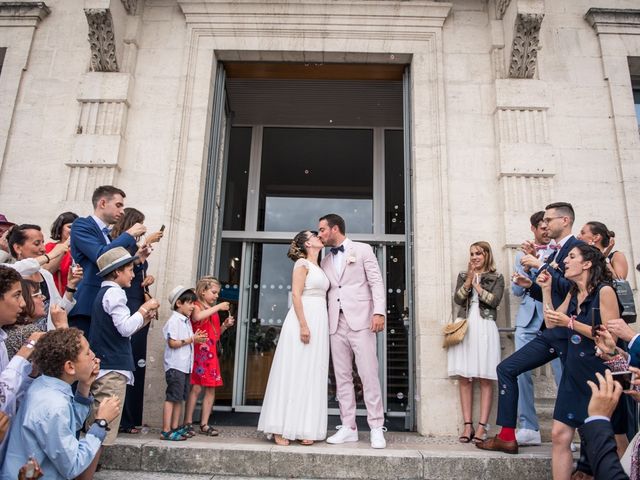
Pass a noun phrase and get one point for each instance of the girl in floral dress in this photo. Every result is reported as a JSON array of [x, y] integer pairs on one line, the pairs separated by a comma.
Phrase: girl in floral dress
[[206, 367]]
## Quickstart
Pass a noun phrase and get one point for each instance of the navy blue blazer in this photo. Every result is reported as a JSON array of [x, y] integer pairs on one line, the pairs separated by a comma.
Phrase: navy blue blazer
[[600, 445], [634, 354], [560, 286], [87, 244]]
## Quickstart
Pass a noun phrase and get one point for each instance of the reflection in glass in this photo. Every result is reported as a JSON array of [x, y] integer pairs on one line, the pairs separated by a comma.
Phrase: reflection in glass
[[235, 203], [314, 171], [394, 181], [268, 305], [397, 331], [229, 276]]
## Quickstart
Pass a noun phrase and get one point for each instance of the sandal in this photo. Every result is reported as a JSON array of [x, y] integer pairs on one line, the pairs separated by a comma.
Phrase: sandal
[[483, 437], [185, 431], [306, 442], [172, 436], [280, 440], [189, 428], [129, 430], [209, 431], [465, 438]]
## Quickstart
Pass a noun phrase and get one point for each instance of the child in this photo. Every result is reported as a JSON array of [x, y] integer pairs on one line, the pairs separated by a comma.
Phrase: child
[[112, 325], [49, 416], [206, 367], [178, 358]]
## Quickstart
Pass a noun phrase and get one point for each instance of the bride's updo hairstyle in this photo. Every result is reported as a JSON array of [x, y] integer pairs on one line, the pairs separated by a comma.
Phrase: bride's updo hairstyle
[[297, 249]]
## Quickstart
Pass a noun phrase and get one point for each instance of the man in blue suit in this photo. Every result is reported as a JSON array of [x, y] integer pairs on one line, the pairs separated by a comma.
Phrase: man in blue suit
[[90, 238], [559, 218], [528, 322]]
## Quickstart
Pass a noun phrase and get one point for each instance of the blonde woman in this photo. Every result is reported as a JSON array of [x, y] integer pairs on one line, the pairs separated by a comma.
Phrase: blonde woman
[[295, 402], [478, 293]]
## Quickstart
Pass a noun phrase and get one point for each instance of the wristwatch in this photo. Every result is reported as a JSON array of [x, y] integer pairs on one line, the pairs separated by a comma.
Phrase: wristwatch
[[102, 423]]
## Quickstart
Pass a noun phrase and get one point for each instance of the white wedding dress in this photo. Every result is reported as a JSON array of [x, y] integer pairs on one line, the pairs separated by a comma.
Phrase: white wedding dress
[[295, 402]]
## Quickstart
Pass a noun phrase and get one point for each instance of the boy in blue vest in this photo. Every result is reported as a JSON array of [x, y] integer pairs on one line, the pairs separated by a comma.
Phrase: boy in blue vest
[[112, 325], [178, 361]]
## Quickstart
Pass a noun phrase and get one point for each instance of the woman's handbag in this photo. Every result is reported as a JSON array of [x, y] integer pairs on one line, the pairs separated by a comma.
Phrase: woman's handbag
[[454, 332], [625, 297]]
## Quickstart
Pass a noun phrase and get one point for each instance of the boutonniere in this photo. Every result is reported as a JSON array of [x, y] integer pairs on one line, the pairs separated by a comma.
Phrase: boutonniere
[[351, 259], [554, 265]]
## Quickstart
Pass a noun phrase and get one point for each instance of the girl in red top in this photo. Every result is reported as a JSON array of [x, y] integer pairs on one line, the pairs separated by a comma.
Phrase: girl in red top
[[59, 266], [206, 367]]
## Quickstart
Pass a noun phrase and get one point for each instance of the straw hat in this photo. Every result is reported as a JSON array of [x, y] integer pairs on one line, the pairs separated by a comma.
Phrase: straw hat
[[113, 259]]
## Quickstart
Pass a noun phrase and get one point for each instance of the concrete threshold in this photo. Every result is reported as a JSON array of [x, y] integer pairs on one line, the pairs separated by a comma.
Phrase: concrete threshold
[[240, 452]]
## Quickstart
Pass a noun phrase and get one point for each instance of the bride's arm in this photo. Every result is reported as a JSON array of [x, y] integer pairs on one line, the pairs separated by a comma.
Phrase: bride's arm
[[299, 276]]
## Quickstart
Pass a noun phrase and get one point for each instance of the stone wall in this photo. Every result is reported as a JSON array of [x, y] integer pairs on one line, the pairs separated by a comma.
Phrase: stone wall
[[493, 138]]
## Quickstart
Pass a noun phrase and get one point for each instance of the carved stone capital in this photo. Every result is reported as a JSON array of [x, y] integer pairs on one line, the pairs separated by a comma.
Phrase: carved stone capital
[[524, 48], [23, 13], [130, 6], [501, 7], [101, 40]]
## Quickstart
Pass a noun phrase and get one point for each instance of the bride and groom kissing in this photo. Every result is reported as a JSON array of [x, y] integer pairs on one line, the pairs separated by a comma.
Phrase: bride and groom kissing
[[339, 302]]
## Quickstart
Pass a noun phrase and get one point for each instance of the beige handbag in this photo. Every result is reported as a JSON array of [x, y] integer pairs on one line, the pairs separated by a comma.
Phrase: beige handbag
[[454, 332]]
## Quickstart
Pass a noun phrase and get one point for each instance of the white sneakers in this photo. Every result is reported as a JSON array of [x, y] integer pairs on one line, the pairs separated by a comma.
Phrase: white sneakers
[[346, 434], [377, 437], [525, 436]]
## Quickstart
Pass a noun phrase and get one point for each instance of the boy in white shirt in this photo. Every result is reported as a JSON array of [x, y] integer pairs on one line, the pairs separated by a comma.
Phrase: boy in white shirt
[[178, 361]]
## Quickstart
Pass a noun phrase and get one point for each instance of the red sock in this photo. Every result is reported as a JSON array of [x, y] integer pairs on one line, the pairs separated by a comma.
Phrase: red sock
[[507, 434]]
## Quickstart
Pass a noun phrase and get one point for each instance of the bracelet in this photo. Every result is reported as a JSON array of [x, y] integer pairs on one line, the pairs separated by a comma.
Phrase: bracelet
[[47, 257], [71, 290], [571, 319], [30, 344]]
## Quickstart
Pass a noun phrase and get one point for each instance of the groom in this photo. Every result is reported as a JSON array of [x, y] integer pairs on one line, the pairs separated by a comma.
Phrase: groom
[[357, 306]]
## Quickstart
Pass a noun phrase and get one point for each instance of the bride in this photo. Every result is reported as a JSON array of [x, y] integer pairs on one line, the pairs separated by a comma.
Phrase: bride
[[291, 411]]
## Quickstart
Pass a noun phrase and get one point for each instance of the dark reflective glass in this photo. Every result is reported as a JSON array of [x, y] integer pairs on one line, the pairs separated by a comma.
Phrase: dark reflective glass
[[394, 181], [235, 203]]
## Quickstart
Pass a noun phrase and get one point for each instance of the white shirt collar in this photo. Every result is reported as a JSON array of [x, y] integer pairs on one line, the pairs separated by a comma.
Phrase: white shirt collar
[[564, 240], [99, 221], [109, 283], [180, 316]]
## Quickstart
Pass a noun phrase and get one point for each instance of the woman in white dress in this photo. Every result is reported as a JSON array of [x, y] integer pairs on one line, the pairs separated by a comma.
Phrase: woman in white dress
[[478, 292], [295, 402]]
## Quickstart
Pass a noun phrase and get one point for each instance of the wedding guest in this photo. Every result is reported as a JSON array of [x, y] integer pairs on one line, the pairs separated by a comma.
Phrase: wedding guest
[[302, 354], [178, 361], [27, 242], [47, 421], [598, 235], [5, 226], [590, 302], [59, 266], [90, 238], [112, 325], [206, 374], [137, 294], [34, 309], [478, 292]]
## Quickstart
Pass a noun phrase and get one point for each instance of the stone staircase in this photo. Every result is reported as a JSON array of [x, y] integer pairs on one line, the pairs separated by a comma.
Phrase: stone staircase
[[241, 452]]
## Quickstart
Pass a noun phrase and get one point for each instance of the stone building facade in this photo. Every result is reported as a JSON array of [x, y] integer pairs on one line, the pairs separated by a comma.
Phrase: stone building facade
[[447, 122]]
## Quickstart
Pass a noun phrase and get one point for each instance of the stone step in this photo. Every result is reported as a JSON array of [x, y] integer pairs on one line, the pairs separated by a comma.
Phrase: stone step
[[239, 451]]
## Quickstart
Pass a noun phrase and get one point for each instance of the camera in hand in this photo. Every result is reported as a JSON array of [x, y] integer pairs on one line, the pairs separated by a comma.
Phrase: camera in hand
[[624, 378]]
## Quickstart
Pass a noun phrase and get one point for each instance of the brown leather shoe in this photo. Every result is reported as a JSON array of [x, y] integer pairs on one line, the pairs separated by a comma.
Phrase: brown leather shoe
[[495, 444]]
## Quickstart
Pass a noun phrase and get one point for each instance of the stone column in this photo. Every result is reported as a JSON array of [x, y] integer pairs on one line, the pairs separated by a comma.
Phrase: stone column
[[104, 96], [23, 18]]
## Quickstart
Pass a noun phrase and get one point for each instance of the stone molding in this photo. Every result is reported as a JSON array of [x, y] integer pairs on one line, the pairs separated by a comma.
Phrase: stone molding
[[101, 40], [616, 21], [501, 7], [27, 14], [131, 6], [524, 49], [413, 20]]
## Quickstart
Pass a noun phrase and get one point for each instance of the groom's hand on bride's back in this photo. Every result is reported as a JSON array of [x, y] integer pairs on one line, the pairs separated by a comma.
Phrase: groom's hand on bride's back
[[377, 323]]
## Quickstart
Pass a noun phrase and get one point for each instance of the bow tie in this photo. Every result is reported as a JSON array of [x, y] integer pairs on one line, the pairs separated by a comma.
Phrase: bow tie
[[554, 246], [335, 250], [549, 246]]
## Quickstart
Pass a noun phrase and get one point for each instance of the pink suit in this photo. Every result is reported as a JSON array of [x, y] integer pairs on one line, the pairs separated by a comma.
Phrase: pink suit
[[355, 295]]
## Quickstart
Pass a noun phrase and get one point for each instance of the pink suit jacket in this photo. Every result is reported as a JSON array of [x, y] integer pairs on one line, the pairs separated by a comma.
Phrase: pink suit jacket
[[359, 291]]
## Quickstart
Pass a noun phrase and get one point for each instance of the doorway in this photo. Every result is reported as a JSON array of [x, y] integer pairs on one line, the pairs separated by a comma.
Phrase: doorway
[[296, 148]]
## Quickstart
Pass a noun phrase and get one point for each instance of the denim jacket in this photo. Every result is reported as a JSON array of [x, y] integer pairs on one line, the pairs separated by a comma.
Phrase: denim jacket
[[492, 289]]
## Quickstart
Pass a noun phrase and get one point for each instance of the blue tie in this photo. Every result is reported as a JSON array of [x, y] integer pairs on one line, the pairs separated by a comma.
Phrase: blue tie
[[107, 232], [335, 250]]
